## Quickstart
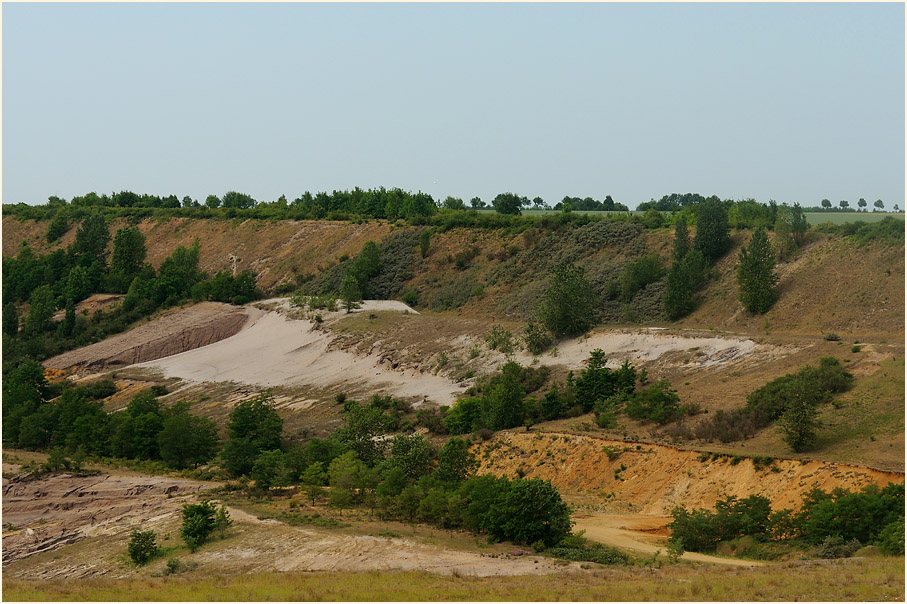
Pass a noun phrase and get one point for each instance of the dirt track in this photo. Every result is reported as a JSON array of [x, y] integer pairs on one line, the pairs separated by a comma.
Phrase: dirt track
[[642, 534], [175, 332]]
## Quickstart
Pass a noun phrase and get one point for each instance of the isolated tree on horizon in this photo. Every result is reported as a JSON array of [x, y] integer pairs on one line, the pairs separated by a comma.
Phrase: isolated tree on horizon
[[862, 203], [879, 204], [756, 274], [826, 204], [844, 204], [507, 203]]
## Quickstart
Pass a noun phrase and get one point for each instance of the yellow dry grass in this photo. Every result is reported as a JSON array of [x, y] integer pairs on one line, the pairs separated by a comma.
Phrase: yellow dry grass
[[878, 579]]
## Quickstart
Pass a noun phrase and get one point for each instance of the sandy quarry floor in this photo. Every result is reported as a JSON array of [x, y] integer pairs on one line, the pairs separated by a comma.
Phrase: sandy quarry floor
[[78, 526], [42, 515], [275, 350]]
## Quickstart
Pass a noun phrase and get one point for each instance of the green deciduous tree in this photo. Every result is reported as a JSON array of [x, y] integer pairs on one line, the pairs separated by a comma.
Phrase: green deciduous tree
[[178, 273], [10, 319], [41, 305], [570, 302], [413, 454], [362, 430], [91, 240], [142, 546], [269, 470], [366, 266], [198, 523], [799, 422], [713, 237], [683, 278], [186, 439], [254, 426], [59, 224], [503, 407], [455, 462], [530, 510], [784, 231], [314, 478], [756, 274], [127, 258], [507, 203]]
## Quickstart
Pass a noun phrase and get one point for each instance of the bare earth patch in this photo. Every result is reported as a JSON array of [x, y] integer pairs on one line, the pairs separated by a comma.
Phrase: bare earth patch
[[43, 514], [175, 332]]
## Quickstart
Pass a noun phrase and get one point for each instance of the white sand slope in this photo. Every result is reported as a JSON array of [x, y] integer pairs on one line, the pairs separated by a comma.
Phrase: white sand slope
[[277, 351], [645, 345]]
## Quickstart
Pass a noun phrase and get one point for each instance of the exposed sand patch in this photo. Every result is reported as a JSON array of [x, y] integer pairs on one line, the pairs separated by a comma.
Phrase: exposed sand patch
[[278, 351], [647, 345]]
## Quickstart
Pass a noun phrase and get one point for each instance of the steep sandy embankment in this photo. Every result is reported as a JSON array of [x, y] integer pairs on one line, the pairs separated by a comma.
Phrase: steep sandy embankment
[[655, 479], [173, 333]]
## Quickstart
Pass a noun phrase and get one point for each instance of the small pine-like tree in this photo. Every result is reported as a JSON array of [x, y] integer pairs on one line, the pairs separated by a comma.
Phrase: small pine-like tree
[[799, 421], [424, 242], [756, 274], [349, 292], [142, 546], [784, 231], [682, 245]]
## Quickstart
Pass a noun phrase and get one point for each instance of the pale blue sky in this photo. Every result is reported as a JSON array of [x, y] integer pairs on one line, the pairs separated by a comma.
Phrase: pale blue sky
[[794, 102]]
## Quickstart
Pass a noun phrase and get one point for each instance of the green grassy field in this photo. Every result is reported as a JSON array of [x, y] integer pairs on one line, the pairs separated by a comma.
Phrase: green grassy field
[[856, 579], [842, 217]]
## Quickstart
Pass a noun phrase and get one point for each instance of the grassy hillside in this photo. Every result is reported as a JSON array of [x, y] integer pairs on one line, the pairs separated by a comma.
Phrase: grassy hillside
[[831, 284]]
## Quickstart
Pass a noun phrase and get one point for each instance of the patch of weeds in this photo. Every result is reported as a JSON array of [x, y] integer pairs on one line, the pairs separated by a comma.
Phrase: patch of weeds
[[855, 348], [297, 519], [612, 452], [617, 472], [832, 337]]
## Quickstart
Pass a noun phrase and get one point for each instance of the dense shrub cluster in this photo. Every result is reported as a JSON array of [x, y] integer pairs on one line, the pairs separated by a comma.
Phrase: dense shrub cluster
[[796, 393], [888, 230], [836, 523]]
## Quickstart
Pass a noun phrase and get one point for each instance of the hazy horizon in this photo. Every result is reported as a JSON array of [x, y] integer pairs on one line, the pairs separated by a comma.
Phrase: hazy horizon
[[792, 102]]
